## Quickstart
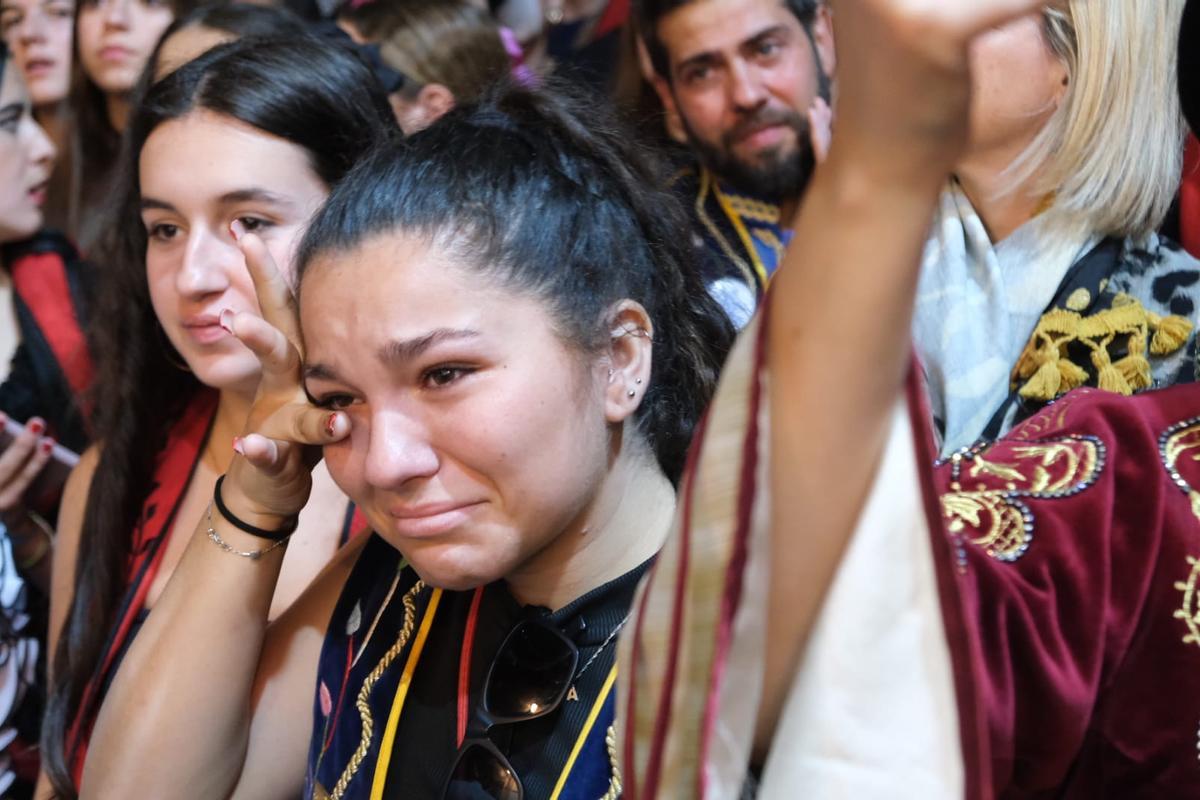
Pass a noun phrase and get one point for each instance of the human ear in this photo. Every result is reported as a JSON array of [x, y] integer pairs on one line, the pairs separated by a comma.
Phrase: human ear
[[672, 121], [435, 100], [631, 346], [822, 36]]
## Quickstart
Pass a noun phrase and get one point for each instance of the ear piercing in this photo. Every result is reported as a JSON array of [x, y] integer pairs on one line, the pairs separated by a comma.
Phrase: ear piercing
[[631, 394]]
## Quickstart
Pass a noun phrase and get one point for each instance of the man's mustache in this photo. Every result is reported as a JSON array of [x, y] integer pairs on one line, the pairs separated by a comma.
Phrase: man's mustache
[[765, 118]]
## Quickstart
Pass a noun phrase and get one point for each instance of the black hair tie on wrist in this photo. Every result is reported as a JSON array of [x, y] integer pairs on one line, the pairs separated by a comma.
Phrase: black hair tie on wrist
[[287, 530]]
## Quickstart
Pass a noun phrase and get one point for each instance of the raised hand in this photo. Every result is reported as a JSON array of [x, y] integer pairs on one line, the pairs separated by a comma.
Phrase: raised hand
[[282, 437], [904, 78]]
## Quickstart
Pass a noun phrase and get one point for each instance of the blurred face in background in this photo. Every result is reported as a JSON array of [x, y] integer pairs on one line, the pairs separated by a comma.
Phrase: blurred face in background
[[38, 34], [742, 76], [116, 37], [26, 158]]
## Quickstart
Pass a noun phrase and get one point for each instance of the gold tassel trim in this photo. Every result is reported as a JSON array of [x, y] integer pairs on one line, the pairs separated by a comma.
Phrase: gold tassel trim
[[1044, 372]]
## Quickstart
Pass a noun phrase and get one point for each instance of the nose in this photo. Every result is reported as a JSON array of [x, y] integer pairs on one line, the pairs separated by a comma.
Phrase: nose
[[207, 262], [32, 28], [117, 12], [398, 451], [746, 90]]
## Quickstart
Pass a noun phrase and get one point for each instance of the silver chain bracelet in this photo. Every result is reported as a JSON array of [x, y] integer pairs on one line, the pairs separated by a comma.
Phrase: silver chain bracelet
[[253, 555]]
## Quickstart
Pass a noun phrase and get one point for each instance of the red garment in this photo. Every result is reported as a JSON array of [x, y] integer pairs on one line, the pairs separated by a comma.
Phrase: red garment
[[1074, 560], [1189, 198], [176, 464]]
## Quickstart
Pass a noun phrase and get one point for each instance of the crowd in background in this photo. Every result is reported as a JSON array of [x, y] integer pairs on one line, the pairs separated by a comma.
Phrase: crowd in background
[[595, 398]]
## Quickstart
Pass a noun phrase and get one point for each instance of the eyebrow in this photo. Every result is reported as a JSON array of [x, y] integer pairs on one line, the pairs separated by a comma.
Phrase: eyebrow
[[252, 195], [400, 350], [710, 57]]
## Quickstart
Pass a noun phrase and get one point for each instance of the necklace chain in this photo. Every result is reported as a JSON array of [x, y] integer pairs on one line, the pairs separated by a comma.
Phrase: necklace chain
[[600, 650]]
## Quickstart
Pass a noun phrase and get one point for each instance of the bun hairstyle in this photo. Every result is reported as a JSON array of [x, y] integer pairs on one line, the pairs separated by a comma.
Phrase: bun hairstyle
[[307, 91], [545, 191]]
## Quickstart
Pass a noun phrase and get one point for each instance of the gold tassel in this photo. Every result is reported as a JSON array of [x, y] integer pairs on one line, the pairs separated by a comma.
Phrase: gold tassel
[[1111, 380], [1108, 377], [1044, 384], [1170, 333], [1135, 369], [1073, 375]]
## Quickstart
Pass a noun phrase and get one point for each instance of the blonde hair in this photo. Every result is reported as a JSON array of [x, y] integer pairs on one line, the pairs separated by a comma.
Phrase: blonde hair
[[1112, 153]]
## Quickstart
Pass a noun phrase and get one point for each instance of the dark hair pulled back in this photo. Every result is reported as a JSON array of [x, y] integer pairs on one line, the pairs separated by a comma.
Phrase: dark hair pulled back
[[310, 92], [546, 191]]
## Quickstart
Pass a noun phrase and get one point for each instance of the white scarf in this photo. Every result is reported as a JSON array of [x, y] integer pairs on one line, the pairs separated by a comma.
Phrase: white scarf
[[977, 306]]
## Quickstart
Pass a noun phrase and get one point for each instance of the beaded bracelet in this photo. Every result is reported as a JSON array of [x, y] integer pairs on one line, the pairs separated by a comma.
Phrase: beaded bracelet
[[253, 555], [287, 530]]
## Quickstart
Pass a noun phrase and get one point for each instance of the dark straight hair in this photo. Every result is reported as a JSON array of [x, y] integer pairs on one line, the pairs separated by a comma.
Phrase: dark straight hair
[[310, 92], [545, 191]]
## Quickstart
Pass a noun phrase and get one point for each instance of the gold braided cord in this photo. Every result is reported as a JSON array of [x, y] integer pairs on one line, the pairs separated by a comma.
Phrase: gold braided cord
[[614, 783], [362, 704]]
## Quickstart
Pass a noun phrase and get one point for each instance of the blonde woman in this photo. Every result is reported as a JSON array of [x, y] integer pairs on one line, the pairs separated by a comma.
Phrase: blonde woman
[[1043, 272]]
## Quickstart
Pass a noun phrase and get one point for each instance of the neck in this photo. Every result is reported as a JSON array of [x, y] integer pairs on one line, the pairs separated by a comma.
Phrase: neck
[[233, 409], [1002, 207], [118, 111], [52, 119], [624, 526], [787, 211]]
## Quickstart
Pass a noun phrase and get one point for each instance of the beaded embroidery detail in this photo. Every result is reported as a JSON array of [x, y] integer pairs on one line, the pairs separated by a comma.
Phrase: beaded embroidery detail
[[1174, 442], [998, 519], [1182, 441]]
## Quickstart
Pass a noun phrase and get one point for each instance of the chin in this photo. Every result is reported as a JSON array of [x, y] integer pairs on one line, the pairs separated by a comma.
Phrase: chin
[[226, 372], [455, 567]]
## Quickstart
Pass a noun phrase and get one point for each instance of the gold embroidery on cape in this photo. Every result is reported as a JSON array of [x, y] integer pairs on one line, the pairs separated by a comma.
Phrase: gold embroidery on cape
[[364, 693], [1043, 372], [1188, 612], [998, 520], [1181, 442]]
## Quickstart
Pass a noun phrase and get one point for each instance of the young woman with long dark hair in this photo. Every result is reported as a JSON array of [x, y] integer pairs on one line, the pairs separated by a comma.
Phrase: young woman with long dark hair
[[508, 351], [39, 34], [113, 40], [251, 135]]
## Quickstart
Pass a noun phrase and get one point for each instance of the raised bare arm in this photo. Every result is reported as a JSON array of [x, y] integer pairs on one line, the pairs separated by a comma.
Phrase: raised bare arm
[[208, 702], [841, 306]]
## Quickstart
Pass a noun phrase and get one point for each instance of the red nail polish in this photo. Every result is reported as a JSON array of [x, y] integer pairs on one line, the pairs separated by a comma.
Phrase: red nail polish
[[37, 427], [47, 446], [330, 421]]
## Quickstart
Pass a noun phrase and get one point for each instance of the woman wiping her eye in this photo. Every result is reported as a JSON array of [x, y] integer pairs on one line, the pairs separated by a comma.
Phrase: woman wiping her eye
[[508, 352], [250, 135]]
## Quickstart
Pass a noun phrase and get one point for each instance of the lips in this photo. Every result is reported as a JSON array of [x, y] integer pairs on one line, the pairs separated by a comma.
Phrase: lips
[[205, 329], [39, 67], [430, 520], [38, 193], [115, 53]]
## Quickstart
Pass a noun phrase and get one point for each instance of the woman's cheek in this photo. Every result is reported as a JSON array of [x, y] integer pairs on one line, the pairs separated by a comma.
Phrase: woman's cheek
[[340, 459]]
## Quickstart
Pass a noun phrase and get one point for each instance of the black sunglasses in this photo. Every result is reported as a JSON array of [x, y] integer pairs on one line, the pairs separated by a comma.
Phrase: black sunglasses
[[528, 679]]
